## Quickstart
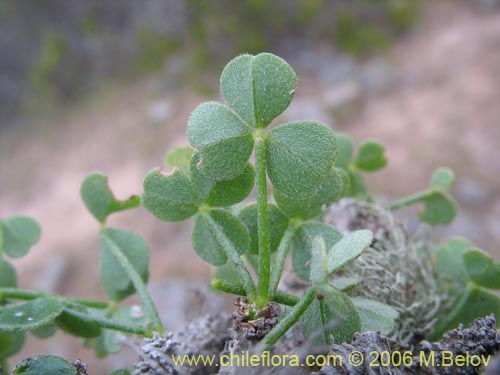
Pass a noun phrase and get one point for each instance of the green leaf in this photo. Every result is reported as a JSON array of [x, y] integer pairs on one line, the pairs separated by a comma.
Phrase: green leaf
[[329, 192], [169, 197], [439, 208], [375, 316], [224, 140], [10, 343], [76, 325], [20, 233], [258, 88], [45, 331], [345, 150], [344, 283], [99, 198], [8, 275], [299, 156], [29, 315], [277, 222], [114, 280], [301, 245], [370, 156], [45, 365], [443, 178], [204, 240], [330, 319], [482, 269], [229, 192], [449, 262], [348, 249], [357, 186], [180, 158], [318, 261]]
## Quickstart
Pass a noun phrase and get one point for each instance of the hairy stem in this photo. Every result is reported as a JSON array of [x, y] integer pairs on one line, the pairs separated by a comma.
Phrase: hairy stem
[[137, 281], [279, 260], [227, 287], [288, 321], [23, 294], [409, 200], [264, 269], [232, 254]]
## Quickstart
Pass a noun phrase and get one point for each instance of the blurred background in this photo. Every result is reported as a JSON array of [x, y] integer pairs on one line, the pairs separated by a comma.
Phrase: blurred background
[[108, 85]]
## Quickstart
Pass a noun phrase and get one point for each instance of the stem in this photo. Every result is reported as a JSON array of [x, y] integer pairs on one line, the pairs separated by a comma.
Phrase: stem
[[406, 201], [288, 321], [279, 260], [114, 324], [264, 270], [23, 294], [137, 281], [227, 287], [232, 254]]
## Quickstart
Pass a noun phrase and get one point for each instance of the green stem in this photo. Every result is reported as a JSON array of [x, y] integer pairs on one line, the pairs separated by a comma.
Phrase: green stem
[[137, 281], [232, 255], [227, 287], [406, 201], [288, 321], [114, 324], [23, 294], [264, 270], [279, 260]]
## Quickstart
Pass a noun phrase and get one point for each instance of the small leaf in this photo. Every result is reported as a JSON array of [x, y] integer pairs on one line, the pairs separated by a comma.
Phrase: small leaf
[[258, 88], [229, 192], [45, 365], [169, 197], [205, 243], [29, 315], [318, 261], [439, 208], [449, 262], [375, 316], [348, 249], [77, 326], [20, 233], [329, 192], [443, 178], [8, 275], [345, 150], [482, 269], [301, 245], [224, 140], [370, 156], [357, 186], [299, 156], [45, 331], [277, 221], [99, 198], [10, 343], [180, 158], [344, 283], [114, 280], [227, 273]]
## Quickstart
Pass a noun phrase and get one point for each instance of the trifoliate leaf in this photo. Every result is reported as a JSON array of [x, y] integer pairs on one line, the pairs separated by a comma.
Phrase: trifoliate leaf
[[375, 316], [29, 315], [180, 158], [169, 197], [482, 269], [204, 239], [301, 245], [277, 221], [99, 198], [229, 192], [329, 192], [10, 344], [202, 184], [76, 325], [348, 249], [299, 156], [258, 88], [370, 156], [19, 234], [45, 365], [345, 150], [443, 178], [439, 208], [224, 140], [8, 275], [114, 280], [331, 318]]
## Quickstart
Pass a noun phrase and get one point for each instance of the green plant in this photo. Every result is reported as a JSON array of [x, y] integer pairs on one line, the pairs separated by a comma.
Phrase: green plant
[[308, 168]]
